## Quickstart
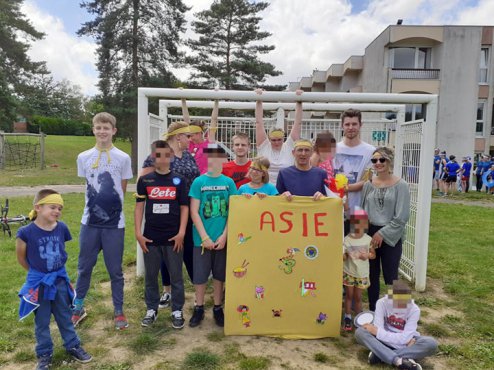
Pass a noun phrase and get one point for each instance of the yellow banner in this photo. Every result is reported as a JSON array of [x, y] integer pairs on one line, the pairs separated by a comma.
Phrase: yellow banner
[[284, 267]]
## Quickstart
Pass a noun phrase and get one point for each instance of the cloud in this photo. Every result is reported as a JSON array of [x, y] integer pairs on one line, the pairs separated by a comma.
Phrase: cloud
[[67, 56]]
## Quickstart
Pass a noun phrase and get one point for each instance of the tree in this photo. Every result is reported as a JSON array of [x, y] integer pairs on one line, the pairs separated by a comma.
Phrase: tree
[[227, 51], [16, 68], [138, 42]]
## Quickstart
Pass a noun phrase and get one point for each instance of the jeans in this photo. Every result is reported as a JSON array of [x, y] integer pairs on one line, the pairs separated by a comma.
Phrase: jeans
[[152, 263], [423, 347], [389, 258], [61, 310]]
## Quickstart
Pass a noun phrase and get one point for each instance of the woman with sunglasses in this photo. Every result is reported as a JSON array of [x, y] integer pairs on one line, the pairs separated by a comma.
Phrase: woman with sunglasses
[[273, 146], [386, 199]]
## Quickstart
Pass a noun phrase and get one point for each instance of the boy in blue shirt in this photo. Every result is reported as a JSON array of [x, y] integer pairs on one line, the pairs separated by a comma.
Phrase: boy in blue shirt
[[40, 248], [162, 194], [209, 202]]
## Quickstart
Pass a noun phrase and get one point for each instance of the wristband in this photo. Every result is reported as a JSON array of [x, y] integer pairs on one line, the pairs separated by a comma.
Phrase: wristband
[[205, 238]]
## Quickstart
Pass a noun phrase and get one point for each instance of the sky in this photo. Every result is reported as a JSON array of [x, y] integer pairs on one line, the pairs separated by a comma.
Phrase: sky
[[307, 34]]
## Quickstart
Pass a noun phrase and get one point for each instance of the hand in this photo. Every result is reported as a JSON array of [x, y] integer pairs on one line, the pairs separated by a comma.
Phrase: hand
[[258, 91], [247, 195], [178, 242], [261, 195], [370, 328], [299, 92], [377, 240], [220, 242], [287, 195], [208, 244], [411, 343], [318, 195], [363, 256], [142, 240]]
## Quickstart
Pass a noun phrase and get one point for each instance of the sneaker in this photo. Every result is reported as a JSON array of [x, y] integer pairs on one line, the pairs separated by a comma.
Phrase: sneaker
[[120, 321], [373, 359], [150, 318], [409, 364], [165, 300], [178, 321], [347, 326], [44, 362], [78, 315], [197, 317], [219, 316], [79, 354]]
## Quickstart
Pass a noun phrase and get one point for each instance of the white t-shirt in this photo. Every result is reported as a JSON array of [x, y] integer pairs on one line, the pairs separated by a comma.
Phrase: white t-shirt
[[355, 248], [353, 161], [104, 193], [278, 159]]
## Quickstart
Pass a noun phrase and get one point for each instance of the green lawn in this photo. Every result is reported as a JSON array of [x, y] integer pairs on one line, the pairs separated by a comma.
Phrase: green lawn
[[60, 159]]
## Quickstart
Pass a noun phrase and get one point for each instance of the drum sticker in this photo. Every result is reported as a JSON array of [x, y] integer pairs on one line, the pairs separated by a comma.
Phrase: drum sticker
[[240, 271], [259, 292], [244, 315], [311, 252], [321, 318]]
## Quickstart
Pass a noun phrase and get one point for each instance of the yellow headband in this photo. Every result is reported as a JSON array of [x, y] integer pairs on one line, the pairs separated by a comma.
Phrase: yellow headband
[[195, 129], [181, 130], [277, 134], [258, 166], [303, 143], [49, 199]]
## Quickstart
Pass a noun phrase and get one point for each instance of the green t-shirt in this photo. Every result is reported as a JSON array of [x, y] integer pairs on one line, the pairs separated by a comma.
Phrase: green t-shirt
[[213, 194]]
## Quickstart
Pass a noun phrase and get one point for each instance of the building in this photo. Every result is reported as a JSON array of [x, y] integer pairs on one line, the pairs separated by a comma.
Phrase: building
[[454, 62]]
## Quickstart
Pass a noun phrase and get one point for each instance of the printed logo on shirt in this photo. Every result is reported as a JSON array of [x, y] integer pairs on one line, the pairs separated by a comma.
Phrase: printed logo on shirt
[[162, 192], [176, 181], [161, 208], [396, 322]]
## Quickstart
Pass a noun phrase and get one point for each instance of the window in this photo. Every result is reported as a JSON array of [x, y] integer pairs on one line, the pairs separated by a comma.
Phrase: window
[[414, 112], [484, 63], [410, 58], [479, 125]]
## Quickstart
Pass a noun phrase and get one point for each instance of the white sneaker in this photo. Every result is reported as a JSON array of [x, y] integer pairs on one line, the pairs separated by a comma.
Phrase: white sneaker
[[165, 300], [178, 321]]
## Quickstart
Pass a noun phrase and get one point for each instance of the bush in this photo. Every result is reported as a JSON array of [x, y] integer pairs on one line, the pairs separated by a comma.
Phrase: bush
[[58, 126]]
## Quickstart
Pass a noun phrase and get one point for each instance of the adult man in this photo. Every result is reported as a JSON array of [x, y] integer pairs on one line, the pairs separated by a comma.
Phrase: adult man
[[301, 178], [437, 168], [353, 157], [238, 168]]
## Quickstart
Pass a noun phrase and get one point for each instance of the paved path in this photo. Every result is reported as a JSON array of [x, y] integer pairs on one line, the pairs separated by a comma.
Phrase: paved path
[[11, 191]]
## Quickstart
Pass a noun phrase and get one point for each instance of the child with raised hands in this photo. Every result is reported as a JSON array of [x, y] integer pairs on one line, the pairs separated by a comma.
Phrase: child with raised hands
[[40, 248], [259, 180]]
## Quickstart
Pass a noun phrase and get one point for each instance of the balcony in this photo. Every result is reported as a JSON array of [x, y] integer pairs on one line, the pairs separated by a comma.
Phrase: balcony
[[415, 74]]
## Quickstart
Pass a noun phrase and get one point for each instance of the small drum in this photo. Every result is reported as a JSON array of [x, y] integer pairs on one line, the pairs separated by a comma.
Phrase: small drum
[[365, 317]]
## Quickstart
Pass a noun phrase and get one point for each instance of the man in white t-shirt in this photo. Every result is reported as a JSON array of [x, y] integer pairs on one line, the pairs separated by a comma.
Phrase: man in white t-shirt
[[353, 157]]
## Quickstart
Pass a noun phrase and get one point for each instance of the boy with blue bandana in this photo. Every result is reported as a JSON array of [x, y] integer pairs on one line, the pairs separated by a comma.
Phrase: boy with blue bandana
[[40, 248]]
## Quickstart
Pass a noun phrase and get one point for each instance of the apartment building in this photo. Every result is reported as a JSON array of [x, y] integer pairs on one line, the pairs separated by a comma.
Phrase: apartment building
[[454, 62]]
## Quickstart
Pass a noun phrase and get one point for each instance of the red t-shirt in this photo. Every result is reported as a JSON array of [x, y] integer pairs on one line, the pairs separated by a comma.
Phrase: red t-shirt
[[236, 172]]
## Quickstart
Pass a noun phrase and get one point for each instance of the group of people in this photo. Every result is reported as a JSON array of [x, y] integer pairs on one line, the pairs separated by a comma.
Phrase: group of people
[[181, 217], [450, 176]]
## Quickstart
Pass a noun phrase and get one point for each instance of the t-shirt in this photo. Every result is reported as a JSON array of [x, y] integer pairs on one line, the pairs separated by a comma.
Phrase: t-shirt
[[466, 167], [45, 250], [327, 166], [277, 159], [268, 189], [353, 161], [164, 194], [237, 172], [104, 193], [197, 151], [354, 248], [452, 167], [303, 183], [214, 197], [437, 162]]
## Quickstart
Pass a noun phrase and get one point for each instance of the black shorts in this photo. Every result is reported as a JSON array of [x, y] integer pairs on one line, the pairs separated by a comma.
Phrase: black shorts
[[451, 179]]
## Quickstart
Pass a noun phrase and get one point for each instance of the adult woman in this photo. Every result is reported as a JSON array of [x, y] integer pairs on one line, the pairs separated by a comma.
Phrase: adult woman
[[386, 199], [271, 146]]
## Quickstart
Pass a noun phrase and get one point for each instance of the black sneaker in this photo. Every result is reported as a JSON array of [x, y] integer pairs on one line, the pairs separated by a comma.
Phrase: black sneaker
[[197, 317], [44, 362], [178, 321], [165, 300], [79, 354], [409, 364], [347, 325], [150, 318], [373, 359], [219, 316]]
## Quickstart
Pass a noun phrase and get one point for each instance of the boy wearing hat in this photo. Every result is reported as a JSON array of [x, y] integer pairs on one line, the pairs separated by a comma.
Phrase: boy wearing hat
[[209, 200]]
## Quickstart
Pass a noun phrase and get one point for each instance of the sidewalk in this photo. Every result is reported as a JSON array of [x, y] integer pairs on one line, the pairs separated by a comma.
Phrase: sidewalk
[[19, 191]]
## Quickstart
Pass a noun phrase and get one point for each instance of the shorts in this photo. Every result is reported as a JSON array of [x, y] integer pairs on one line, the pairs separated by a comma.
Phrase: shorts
[[437, 175], [210, 261], [361, 283], [451, 179], [465, 178], [444, 176]]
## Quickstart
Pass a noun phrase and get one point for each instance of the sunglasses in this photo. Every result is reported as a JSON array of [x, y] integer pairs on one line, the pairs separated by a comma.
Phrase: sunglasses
[[381, 160]]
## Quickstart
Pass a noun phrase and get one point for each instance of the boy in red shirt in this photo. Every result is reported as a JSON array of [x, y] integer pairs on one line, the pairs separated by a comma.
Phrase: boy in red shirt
[[238, 168]]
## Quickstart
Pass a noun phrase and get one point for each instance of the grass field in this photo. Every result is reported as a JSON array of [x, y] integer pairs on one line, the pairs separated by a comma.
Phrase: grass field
[[456, 308], [60, 159]]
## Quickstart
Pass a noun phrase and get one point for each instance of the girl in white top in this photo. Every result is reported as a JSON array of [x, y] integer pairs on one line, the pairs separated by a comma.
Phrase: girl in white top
[[272, 146]]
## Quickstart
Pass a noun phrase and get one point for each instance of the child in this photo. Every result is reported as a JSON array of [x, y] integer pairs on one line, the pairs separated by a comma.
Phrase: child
[[209, 201], [106, 170], [393, 337], [324, 152], [163, 194], [259, 179], [356, 255], [238, 168], [40, 248]]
